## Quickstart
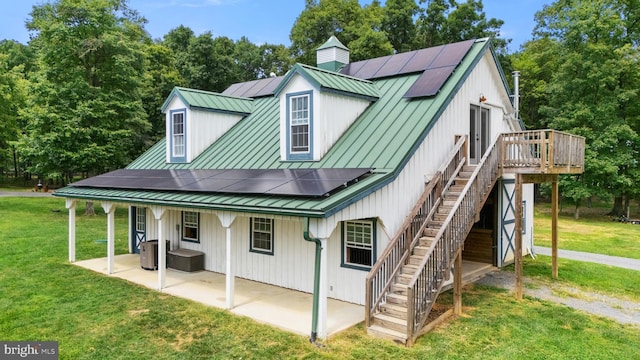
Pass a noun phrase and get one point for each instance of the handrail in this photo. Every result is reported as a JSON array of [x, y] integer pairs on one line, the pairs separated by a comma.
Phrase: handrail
[[384, 271], [542, 151], [425, 285], [537, 151]]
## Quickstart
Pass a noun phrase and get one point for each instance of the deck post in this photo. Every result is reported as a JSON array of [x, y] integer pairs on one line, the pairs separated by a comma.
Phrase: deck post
[[554, 228], [457, 284], [71, 205], [518, 236], [110, 210]]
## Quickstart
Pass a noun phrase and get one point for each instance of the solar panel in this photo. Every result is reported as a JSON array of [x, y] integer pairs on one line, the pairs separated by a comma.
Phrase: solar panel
[[286, 182], [422, 60], [254, 88], [394, 65], [452, 54], [352, 68], [430, 82], [371, 67]]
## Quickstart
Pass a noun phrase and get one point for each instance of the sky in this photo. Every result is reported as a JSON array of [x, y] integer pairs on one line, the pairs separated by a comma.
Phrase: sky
[[261, 21]]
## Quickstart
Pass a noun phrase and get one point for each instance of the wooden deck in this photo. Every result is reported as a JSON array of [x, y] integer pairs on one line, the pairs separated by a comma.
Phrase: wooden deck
[[542, 152]]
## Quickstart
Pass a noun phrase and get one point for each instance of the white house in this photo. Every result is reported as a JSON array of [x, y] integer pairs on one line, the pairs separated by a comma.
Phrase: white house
[[303, 181]]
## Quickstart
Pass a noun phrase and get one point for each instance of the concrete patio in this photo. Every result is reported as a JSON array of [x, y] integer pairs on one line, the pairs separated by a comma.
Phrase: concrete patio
[[286, 309]]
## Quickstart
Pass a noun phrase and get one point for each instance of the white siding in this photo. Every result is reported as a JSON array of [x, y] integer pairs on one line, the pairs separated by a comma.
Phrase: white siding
[[202, 128], [292, 263], [332, 54], [332, 116]]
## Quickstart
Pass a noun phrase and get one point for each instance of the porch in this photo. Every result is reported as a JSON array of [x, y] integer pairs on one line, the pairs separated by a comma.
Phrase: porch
[[286, 309]]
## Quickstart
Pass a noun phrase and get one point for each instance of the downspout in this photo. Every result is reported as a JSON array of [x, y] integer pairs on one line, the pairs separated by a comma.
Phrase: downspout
[[316, 281]]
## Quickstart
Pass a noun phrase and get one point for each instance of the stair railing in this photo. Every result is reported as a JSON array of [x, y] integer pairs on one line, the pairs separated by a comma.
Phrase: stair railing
[[426, 284], [383, 273]]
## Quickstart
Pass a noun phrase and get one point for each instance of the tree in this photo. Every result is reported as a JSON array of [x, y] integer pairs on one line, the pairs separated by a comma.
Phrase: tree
[[85, 111], [447, 21], [398, 23], [357, 28], [12, 86], [593, 90]]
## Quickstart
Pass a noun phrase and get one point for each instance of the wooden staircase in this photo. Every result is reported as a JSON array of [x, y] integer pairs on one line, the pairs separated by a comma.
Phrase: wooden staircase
[[405, 281], [390, 321]]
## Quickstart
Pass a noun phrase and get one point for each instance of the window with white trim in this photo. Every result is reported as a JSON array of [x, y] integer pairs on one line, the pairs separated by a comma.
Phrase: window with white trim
[[178, 136], [190, 226], [261, 235], [299, 123], [358, 244]]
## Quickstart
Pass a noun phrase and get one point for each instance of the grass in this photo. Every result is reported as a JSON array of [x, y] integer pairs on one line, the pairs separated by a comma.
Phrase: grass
[[99, 317], [597, 278], [593, 232]]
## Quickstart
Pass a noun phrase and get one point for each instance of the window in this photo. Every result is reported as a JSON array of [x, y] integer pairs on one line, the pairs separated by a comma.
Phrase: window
[[261, 235], [299, 126], [178, 136], [358, 244], [190, 226]]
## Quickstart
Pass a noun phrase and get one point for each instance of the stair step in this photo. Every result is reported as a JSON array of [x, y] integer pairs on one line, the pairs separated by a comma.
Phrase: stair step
[[426, 240], [400, 289], [404, 278], [469, 168], [415, 259], [431, 232], [420, 250], [397, 299], [394, 310], [449, 202], [384, 333], [390, 322], [409, 269], [435, 223], [440, 216]]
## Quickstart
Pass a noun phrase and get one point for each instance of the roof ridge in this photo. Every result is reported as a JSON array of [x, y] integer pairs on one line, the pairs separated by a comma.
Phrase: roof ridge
[[309, 67]]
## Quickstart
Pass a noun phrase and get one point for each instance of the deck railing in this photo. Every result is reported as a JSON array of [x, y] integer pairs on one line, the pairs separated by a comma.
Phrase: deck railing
[[399, 249], [436, 265], [542, 152], [539, 152]]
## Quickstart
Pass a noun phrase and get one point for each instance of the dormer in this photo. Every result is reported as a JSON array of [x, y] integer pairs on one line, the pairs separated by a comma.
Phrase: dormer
[[316, 107], [195, 119]]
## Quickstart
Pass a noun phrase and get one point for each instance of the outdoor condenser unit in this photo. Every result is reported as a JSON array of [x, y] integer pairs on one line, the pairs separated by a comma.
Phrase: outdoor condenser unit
[[149, 254]]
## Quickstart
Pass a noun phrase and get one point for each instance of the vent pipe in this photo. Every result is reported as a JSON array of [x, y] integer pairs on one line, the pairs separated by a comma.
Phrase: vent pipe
[[516, 93]]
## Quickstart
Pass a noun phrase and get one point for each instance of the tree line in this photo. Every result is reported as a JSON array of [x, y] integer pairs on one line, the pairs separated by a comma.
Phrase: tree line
[[84, 95]]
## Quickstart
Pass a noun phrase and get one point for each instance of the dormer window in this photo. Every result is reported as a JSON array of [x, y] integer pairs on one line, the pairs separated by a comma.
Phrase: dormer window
[[178, 136], [299, 125]]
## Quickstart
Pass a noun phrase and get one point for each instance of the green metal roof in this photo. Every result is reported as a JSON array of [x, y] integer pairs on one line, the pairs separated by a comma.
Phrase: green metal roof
[[384, 137], [326, 80], [333, 42], [207, 100]]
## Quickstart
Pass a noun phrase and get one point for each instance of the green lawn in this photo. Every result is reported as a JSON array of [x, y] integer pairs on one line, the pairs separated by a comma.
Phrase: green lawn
[[593, 232], [98, 317]]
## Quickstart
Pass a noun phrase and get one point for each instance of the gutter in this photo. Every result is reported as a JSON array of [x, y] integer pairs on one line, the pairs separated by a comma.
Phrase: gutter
[[316, 281]]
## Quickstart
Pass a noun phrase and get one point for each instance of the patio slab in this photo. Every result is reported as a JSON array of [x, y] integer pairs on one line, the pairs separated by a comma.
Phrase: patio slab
[[286, 309]]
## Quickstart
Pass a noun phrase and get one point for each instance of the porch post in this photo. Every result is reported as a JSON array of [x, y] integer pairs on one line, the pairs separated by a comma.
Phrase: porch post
[[457, 284], [230, 281], [71, 205], [323, 292], [554, 228], [226, 219], [159, 213], [518, 236], [110, 210]]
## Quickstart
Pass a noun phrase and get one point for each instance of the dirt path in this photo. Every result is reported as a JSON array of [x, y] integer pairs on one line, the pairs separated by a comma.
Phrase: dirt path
[[622, 311]]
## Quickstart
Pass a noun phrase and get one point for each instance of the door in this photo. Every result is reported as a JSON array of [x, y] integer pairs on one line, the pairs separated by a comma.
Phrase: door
[[139, 228], [479, 134]]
